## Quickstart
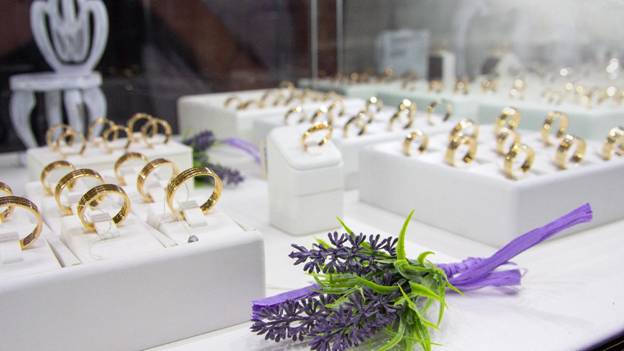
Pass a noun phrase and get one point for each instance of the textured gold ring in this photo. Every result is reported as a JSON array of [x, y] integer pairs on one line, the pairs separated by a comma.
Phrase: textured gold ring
[[49, 168], [186, 175], [92, 133], [6, 190], [23, 203], [94, 196], [53, 133], [148, 169], [112, 134], [123, 159], [68, 181], [150, 129]]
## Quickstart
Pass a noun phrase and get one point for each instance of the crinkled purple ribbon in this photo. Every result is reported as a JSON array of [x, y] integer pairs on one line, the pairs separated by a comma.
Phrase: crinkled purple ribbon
[[472, 273], [245, 146]]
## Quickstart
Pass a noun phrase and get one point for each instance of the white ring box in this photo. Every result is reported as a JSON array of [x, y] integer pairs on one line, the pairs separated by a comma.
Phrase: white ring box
[[478, 201], [306, 190], [99, 160]]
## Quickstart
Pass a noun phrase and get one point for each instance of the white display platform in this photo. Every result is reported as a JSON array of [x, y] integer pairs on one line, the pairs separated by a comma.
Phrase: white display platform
[[98, 160], [464, 106], [478, 201]]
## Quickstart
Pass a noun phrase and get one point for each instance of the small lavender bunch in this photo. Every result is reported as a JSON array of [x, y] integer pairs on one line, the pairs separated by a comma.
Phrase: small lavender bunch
[[201, 143]]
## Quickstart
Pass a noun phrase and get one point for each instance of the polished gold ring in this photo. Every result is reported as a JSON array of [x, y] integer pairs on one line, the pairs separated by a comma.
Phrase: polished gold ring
[[509, 118], [69, 181], [68, 136], [316, 128], [613, 142], [414, 137], [113, 132], [436, 86], [337, 107], [489, 85], [150, 129], [92, 132], [565, 145], [360, 121], [148, 169], [188, 174], [502, 138], [7, 191], [322, 112], [23, 203], [93, 198], [136, 118], [123, 159], [432, 106], [49, 168], [465, 127], [547, 127], [53, 133], [462, 86], [454, 145], [406, 114], [374, 102], [297, 110], [510, 158], [232, 100]]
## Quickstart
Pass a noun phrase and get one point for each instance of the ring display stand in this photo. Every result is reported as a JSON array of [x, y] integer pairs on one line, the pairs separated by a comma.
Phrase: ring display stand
[[478, 201], [464, 106], [306, 190]]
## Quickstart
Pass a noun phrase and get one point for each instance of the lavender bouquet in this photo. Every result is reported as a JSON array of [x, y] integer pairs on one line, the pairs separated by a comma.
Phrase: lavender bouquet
[[368, 293]]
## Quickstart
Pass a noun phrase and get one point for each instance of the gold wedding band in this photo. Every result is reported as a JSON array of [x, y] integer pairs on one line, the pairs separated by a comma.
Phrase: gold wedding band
[[322, 112], [297, 110], [52, 136], [551, 118], [436, 86], [339, 105], [230, 100], [360, 120], [188, 174], [454, 145], [136, 118], [613, 142], [71, 135], [510, 157], [94, 196], [462, 86], [509, 118], [502, 138], [406, 110], [69, 180], [147, 170], [462, 126], [431, 107], [316, 128], [413, 137], [565, 145], [43, 177], [150, 129], [92, 135], [114, 132], [7, 191], [123, 159], [375, 102], [489, 85], [21, 202]]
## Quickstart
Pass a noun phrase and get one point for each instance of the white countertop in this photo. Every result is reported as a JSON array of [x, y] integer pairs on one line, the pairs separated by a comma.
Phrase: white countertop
[[572, 294]]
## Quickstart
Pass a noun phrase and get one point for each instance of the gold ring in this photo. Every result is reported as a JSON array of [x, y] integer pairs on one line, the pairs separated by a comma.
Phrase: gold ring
[[24, 203], [548, 126], [68, 136], [249, 103], [406, 108], [455, 143], [509, 118], [52, 136], [360, 120], [190, 173], [91, 132], [322, 112], [114, 132], [414, 137], [136, 118], [123, 159], [338, 103], [510, 157], [460, 129], [94, 196], [6, 189], [297, 110], [288, 85], [374, 101], [147, 170], [503, 136], [517, 89], [436, 86], [69, 180], [566, 143], [431, 107], [43, 177], [150, 129], [462, 86], [232, 99], [489, 85], [316, 128], [613, 142]]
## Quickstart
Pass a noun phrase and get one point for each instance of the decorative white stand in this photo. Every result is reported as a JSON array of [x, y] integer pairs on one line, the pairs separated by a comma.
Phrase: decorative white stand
[[306, 190], [478, 201], [63, 32]]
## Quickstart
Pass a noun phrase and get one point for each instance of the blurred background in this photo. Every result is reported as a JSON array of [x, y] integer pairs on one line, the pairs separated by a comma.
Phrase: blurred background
[[159, 50]]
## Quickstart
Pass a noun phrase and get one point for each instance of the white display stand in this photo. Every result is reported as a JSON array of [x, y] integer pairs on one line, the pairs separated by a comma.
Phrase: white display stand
[[464, 106], [99, 160], [478, 201], [306, 191]]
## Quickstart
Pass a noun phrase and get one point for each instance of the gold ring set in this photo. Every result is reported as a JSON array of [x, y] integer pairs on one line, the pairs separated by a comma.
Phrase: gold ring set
[[285, 95]]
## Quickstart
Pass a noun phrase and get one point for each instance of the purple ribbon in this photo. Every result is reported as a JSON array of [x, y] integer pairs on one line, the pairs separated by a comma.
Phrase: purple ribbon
[[245, 146], [473, 272]]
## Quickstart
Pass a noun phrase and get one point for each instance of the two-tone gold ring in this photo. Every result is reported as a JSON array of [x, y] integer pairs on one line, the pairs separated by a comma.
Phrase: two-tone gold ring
[[23, 203], [69, 181], [119, 163], [49, 168], [94, 196], [416, 136], [182, 178], [318, 127], [148, 169]]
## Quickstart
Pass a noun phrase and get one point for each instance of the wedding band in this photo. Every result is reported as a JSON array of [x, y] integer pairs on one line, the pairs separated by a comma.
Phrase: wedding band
[[21, 202], [191, 173], [436, 86], [408, 113], [509, 118], [413, 137], [297, 110], [123, 159], [147, 170], [489, 85], [551, 118], [70, 134], [431, 107], [69, 180], [94, 196], [335, 105], [462, 126], [6, 189], [375, 102], [288, 85], [150, 129], [613, 142], [462, 87], [114, 132], [136, 118], [360, 121], [510, 157], [455, 143], [232, 99], [566, 143], [502, 140], [43, 177], [322, 112], [316, 128], [92, 133], [51, 135]]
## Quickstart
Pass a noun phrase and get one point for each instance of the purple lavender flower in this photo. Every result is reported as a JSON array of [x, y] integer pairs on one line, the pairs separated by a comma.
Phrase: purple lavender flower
[[201, 141]]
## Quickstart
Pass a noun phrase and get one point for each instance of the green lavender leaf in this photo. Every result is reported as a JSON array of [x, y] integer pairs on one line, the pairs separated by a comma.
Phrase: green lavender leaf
[[401, 244], [396, 339]]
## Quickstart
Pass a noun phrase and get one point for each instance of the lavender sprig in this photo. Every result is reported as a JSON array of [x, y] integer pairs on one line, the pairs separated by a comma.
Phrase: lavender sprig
[[200, 143]]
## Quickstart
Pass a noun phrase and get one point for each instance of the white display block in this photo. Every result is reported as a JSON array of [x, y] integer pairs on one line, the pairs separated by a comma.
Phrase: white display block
[[464, 106], [306, 190], [478, 201], [136, 302], [99, 160]]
